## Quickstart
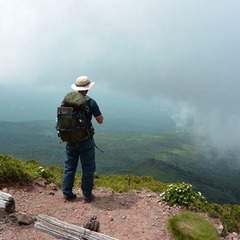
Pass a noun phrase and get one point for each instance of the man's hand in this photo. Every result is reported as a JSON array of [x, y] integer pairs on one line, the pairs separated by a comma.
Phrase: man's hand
[[100, 119]]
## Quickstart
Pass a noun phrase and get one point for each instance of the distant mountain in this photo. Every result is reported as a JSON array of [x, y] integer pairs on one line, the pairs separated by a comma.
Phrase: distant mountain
[[166, 154], [31, 140], [168, 173]]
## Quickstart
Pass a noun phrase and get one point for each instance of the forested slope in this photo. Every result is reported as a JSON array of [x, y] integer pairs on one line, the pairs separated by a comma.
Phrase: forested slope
[[166, 154]]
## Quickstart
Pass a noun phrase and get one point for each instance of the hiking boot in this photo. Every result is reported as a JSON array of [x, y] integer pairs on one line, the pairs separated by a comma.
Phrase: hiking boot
[[88, 199], [71, 197]]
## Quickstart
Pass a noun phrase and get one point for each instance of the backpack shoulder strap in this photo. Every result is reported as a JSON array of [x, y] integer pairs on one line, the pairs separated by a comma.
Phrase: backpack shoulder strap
[[76, 100]]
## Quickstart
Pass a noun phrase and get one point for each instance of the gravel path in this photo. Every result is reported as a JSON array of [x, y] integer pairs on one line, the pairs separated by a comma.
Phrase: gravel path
[[126, 216]]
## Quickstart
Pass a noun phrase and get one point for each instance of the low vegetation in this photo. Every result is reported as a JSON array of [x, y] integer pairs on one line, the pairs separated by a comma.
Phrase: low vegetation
[[183, 194], [192, 226], [14, 170], [158, 150]]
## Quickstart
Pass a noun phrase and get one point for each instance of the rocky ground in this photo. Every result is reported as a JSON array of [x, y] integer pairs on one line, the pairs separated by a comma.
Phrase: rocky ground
[[127, 216]]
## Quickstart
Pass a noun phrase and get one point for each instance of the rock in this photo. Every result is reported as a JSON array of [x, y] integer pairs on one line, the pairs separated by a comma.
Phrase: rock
[[219, 228], [13, 217], [235, 234], [41, 182], [124, 203], [53, 186], [93, 224], [23, 218]]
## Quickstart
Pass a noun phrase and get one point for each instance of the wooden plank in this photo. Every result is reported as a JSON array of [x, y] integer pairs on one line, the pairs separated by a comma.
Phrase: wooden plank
[[7, 203], [65, 230]]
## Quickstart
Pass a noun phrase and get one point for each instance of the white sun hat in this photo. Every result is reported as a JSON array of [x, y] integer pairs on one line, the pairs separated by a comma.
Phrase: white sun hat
[[82, 83]]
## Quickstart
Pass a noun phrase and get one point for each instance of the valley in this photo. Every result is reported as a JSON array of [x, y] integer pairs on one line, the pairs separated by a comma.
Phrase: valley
[[167, 154]]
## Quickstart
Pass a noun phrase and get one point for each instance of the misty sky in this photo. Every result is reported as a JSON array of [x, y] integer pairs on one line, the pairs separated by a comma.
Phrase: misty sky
[[183, 53]]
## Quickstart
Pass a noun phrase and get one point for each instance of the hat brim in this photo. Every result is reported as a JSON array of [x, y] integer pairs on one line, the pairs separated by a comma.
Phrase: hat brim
[[74, 87]]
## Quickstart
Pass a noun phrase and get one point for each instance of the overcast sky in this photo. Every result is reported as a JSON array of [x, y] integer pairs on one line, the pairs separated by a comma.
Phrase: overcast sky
[[184, 52]]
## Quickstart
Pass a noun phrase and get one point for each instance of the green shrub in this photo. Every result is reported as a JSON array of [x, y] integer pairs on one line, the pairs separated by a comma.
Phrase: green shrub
[[230, 217], [57, 174], [228, 214], [12, 170], [213, 210], [125, 183], [38, 171], [33, 162], [96, 175], [183, 194], [192, 226]]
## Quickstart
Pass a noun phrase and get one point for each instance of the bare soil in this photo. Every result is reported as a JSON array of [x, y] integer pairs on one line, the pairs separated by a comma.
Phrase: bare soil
[[133, 215]]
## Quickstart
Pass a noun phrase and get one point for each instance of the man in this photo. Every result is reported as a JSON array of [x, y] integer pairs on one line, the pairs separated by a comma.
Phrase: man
[[85, 150]]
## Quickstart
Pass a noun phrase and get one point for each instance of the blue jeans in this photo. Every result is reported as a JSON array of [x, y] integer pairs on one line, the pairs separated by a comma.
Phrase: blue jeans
[[86, 151]]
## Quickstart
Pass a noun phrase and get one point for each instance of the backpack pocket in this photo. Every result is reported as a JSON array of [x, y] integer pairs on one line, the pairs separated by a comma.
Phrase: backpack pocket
[[70, 126]]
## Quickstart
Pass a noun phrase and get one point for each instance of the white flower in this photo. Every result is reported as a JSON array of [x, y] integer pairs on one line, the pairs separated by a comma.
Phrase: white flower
[[41, 168], [199, 193]]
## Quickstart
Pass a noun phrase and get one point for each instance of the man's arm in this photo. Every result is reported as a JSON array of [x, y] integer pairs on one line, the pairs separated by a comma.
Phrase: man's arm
[[100, 119]]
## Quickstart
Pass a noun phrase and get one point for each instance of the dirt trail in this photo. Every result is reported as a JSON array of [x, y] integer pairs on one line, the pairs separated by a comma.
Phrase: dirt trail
[[126, 216]]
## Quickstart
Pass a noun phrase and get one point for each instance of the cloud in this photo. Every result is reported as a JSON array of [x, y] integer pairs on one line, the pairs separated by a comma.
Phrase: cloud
[[186, 51]]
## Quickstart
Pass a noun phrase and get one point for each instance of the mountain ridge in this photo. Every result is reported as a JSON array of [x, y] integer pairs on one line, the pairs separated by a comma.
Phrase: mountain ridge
[[175, 156]]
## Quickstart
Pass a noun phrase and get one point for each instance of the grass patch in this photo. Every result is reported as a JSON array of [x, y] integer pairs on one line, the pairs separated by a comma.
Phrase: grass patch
[[124, 183], [192, 226]]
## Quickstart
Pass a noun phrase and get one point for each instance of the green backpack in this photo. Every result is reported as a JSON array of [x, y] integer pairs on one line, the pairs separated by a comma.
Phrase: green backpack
[[72, 125]]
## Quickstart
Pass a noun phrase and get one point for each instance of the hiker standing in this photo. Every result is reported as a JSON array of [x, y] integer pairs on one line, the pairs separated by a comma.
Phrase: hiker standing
[[85, 150]]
